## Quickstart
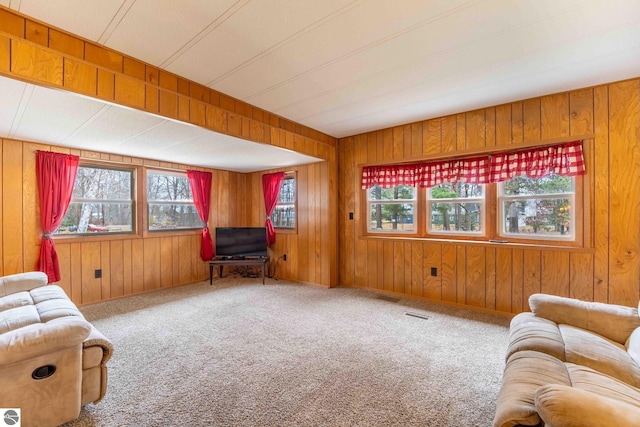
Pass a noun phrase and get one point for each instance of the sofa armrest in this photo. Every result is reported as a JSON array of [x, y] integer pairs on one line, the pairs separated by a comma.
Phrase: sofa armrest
[[615, 322], [22, 282], [564, 406], [42, 338], [95, 338]]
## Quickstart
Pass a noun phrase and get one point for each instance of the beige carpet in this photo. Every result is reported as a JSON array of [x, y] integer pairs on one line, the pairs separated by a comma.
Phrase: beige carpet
[[242, 354]]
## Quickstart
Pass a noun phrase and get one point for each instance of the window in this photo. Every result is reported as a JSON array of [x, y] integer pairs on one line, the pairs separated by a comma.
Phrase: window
[[284, 214], [170, 203], [537, 208], [102, 202], [456, 208], [391, 210]]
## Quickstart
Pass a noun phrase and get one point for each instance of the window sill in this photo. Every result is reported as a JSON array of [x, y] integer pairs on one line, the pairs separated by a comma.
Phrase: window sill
[[542, 245]]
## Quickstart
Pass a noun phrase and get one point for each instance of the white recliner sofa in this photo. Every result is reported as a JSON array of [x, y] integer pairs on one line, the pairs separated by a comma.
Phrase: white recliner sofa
[[52, 360], [571, 363]]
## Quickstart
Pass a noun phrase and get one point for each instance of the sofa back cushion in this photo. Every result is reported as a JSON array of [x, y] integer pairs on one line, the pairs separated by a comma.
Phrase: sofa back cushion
[[615, 322], [633, 346]]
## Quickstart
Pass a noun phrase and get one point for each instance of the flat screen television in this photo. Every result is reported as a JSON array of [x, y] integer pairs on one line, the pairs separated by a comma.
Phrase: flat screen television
[[239, 242]]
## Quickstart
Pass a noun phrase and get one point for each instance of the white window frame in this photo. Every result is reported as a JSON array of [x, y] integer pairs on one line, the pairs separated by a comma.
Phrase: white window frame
[[130, 201], [294, 204], [187, 202], [501, 216], [413, 202], [478, 199]]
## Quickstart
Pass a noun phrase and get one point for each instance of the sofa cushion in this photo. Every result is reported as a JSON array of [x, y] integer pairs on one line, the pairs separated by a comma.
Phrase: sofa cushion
[[633, 346], [42, 338], [605, 356], [18, 317], [528, 332], [15, 300], [562, 406], [21, 282], [588, 379], [615, 322], [524, 373]]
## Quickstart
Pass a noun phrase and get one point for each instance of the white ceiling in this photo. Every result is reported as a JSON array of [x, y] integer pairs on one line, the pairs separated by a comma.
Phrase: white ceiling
[[348, 66], [26, 113]]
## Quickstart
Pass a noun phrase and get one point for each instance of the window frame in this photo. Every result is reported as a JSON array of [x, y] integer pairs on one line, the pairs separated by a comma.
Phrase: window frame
[[413, 201], [450, 233], [288, 230], [147, 202], [491, 236], [135, 218]]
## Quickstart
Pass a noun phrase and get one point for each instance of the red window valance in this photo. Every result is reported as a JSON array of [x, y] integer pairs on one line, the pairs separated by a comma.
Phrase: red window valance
[[562, 159]]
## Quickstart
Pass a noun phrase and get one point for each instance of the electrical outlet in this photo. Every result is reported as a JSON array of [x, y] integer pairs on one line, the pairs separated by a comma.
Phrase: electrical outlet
[[284, 257], [98, 274], [434, 271], [350, 215]]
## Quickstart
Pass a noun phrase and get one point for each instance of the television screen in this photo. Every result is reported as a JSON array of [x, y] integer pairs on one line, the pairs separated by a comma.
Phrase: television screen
[[241, 241]]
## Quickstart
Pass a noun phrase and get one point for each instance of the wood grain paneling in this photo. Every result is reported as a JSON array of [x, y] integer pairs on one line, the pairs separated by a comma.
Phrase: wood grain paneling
[[606, 267], [129, 264]]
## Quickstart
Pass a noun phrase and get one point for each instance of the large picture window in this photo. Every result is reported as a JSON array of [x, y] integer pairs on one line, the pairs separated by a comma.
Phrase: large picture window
[[170, 203], [102, 202], [456, 208], [284, 214], [391, 210], [522, 196]]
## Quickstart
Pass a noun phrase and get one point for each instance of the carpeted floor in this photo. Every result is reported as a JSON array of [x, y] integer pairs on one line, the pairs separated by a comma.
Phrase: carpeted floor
[[242, 354]]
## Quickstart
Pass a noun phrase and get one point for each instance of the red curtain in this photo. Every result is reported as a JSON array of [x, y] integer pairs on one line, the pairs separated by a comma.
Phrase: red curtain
[[271, 183], [200, 183], [56, 175], [562, 159]]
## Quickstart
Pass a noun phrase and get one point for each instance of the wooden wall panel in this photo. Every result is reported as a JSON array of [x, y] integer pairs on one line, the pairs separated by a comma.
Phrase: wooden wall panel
[[312, 249], [607, 265], [129, 264], [624, 187]]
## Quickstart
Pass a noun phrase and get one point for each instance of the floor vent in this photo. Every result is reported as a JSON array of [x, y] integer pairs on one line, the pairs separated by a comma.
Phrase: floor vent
[[387, 298], [418, 315]]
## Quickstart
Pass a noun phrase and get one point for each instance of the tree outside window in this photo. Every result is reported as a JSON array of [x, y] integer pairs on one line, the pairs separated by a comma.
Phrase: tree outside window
[[456, 208], [284, 214], [170, 203], [391, 209], [538, 207], [102, 202]]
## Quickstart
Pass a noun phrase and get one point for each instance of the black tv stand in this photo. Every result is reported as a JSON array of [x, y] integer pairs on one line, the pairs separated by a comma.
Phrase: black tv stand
[[240, 260]]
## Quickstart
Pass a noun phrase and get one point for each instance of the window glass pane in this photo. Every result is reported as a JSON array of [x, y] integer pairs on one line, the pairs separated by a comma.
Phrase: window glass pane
[[551, 184], [99, 218], [100, 183], [452, 216], [166, 216], [169, 202], [459, 190], [399, 192], [284, 216], [391, 217], [168, 186], [287, 191], [538, 217], [102, 202]]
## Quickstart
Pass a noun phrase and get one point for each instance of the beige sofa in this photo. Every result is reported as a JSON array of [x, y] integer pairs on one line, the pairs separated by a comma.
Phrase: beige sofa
[[52, 361], [571, 363]]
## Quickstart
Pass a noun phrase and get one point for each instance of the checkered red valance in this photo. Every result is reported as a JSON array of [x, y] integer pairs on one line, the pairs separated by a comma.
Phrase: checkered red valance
[[563, 159]]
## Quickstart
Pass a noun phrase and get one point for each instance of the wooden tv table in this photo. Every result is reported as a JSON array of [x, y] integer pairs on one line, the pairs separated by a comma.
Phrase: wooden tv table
[[222, 261]]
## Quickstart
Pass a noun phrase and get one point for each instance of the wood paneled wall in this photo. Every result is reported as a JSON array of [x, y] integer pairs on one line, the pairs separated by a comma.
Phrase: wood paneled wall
[[130, 264], [311, 249], [37, 53], [501, 277]]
